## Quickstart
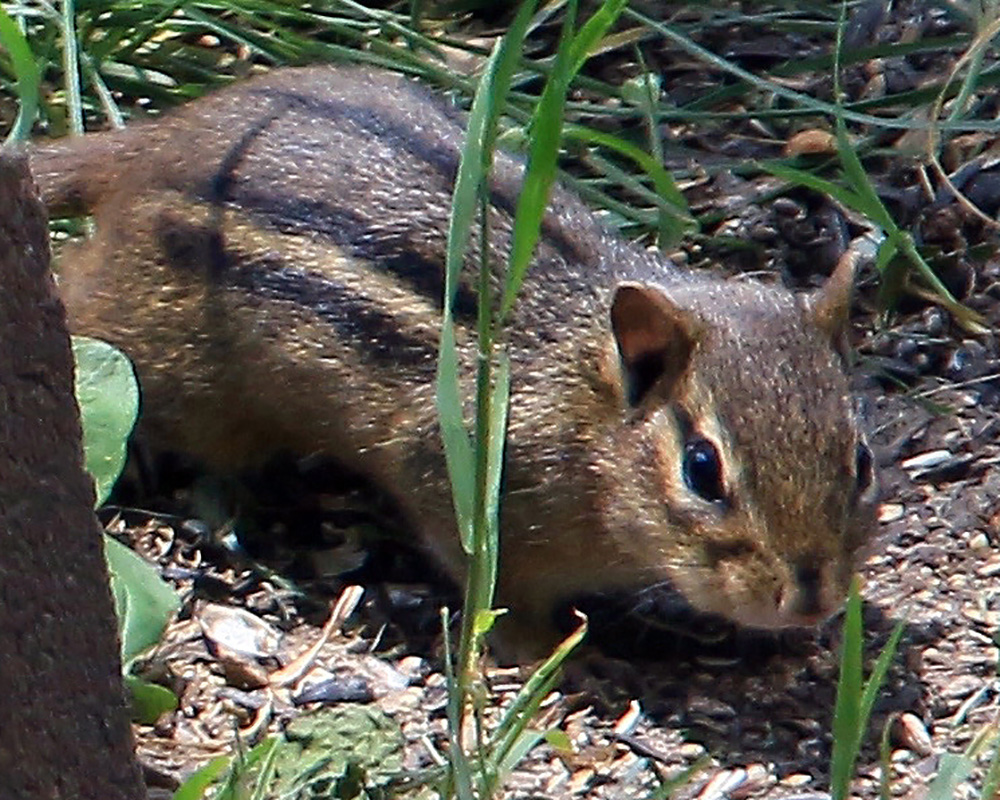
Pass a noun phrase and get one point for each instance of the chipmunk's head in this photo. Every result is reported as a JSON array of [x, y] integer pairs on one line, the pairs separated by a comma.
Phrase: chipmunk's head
[[750, 487]]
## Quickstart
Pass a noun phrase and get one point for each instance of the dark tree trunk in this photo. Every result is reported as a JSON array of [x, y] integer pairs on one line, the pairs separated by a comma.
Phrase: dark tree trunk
[[64, 731]]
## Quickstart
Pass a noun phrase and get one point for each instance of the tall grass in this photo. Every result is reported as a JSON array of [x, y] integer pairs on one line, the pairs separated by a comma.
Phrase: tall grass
[[475, 452]]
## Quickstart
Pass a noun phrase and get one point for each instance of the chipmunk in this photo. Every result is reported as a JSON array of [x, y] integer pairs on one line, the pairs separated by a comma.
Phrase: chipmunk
[[271, 258]]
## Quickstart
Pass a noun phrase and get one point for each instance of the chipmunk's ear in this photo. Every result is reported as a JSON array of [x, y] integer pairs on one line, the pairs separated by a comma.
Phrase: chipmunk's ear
[[655, 337], [830, 306]]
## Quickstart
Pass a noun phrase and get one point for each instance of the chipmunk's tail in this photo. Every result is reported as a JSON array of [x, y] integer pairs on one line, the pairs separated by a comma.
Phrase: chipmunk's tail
[[73, 174]]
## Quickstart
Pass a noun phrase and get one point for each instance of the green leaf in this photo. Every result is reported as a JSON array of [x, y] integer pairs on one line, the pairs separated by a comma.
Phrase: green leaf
[[522, 745], [149, 701], [529, 698], [454, 436], [108, 396], [144, 601], [991, 783], [486, 618], [194, 787], [559, 740], [810, 181], [877, 676], [855, 698], [28, 75]]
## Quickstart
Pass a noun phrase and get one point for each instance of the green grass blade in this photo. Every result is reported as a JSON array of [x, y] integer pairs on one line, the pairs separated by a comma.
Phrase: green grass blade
[[847, 723], [673, 200], [885, 761], [855, 698], [195, 787], [803, 102], [868, 200], [28, 76], [472, 172], [494, 472], [802, 178], [589, 37], [991, 783], [953, 769], [540, 173], [877, 676], [527, 701], [457, 447], [460, 773], [518, 750], [71, 67]]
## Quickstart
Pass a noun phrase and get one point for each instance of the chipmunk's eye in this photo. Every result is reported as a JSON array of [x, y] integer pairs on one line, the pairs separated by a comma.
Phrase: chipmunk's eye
[[864, 469], [703, 470]]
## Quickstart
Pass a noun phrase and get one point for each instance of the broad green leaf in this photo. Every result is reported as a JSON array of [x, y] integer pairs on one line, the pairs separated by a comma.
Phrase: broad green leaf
[[108, 396], [991, 783], [145, 603], [149, 701], [953, 769]]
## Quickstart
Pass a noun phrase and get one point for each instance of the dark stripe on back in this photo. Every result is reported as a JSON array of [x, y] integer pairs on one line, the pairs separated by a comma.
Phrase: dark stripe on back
[[374, 333], [371, 331], [442, 158], [352, 235]]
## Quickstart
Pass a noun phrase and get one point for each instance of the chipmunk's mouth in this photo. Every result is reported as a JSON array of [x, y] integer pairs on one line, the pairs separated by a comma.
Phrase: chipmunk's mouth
[[798, 598]]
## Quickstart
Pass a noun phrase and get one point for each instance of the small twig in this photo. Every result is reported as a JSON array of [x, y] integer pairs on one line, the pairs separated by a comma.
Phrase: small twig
[[341, 610]]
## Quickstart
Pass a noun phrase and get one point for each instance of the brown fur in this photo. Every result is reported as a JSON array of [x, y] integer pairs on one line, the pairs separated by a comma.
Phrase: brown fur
[[271, 259]]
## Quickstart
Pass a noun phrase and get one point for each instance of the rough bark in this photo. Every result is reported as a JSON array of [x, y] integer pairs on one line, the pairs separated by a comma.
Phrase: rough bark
[[64, 730]]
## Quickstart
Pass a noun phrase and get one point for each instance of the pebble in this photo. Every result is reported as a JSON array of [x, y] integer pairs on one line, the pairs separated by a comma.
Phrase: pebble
[[979, 542], [990, 568], [413, 667], [797, 779], [581, 780], [712, 708], [757, 778], [628, 721], [926, 460], [435, 680], [690, 751], [722, 783], [890, 512]]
